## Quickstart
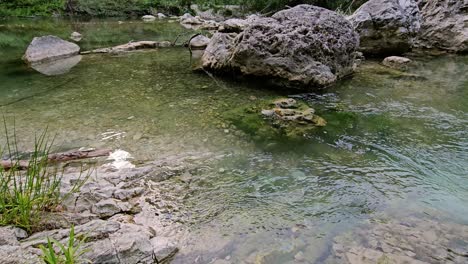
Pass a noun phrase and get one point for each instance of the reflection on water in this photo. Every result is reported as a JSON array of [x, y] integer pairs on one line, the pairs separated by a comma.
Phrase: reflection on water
[[395, 144], [57, 67]]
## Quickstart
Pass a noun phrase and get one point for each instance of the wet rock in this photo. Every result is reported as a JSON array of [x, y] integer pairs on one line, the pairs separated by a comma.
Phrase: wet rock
[[48, 48], [233, 25], [57, 67], [305, 46], [386, 26], [199, 42], [283, 112], [285, 103], [161, 15], [421, 241], [444, 25], [148, 18], [396, 62], [164, 249], [76, 36], [196, 59]]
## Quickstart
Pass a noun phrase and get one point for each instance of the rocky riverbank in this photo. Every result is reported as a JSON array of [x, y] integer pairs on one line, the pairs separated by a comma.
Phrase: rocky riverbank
[[117, 209]]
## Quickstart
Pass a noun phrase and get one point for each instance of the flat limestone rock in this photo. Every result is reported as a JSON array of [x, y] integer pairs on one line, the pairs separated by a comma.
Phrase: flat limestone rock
[[49, 48]]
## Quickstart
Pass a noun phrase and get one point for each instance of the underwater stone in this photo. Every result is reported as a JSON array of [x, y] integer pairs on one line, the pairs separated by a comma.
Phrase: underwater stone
[[76, 36], [396, 62]]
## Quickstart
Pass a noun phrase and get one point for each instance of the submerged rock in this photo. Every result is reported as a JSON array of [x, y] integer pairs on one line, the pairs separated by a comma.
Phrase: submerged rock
[[444, 25], [283, 112], [386, 26], [407, 240], [304, 46], [49, 48], [283, 120], [395, 62], [76, 36]]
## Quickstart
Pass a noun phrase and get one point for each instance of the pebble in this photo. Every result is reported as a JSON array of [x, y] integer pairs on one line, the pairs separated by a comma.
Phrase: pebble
[[299, 256]]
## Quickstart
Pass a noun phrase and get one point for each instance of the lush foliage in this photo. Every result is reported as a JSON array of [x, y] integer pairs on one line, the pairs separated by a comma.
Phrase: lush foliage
[[68, 254], [30, 7], [138, 7]]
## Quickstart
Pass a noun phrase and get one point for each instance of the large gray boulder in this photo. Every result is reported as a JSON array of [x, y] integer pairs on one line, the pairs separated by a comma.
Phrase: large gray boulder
[[386, 26], [304, 46], [444, 25], [49, 48]]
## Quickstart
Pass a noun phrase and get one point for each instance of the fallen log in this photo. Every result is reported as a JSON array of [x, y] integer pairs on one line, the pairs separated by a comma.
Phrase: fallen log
[[131, 46], [57, 157]]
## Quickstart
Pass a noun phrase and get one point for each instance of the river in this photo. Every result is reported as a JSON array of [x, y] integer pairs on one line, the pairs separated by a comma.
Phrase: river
[[393, 155]]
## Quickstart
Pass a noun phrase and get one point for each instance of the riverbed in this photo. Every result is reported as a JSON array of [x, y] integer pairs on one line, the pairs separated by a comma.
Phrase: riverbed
[[394, 153]]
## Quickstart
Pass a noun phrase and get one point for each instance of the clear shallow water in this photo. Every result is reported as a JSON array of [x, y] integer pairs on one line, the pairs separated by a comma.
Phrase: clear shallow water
[[395, 147]]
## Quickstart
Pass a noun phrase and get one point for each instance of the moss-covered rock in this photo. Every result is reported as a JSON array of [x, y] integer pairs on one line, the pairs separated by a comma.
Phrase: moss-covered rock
[[283, 119]]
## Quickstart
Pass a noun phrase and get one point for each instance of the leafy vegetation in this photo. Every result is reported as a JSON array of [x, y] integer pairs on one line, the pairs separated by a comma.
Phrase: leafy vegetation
[[30, 7], [138, 7], [68, 254], [26, 194]]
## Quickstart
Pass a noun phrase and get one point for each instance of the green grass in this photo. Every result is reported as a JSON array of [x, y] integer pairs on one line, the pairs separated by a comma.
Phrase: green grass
[[26, 194], [67, 254]]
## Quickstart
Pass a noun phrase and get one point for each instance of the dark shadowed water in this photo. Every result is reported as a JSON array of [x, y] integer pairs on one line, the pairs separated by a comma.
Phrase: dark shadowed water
[[395, 147]]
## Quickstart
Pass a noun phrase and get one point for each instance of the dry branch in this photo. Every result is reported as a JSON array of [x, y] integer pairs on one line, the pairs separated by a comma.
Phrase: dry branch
[[57, 157]]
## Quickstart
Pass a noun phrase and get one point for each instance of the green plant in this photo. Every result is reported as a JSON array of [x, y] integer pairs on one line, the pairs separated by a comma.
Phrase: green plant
[[26, 194], [68, 254], [23, 194]]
